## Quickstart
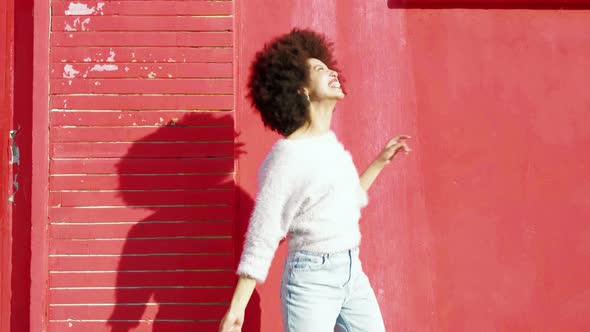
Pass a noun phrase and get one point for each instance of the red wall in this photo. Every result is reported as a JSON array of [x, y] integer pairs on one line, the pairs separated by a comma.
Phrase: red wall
[[484, 227], [6, 102]]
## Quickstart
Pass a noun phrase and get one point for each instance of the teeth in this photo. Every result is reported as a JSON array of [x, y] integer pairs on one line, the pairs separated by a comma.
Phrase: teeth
[[335, 85]]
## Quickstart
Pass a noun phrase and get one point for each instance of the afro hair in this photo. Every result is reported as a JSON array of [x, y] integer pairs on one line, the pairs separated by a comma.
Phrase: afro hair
[[279, 72]]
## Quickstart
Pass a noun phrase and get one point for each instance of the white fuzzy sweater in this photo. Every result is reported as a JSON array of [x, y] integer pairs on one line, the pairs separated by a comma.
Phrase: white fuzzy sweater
[[308, 189]]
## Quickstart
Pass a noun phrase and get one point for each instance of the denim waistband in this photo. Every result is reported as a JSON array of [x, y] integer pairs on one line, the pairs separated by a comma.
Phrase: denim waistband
[[352, 251]]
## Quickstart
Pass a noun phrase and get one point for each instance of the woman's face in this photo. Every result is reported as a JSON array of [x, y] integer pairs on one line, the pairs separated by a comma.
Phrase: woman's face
[[323, 82]]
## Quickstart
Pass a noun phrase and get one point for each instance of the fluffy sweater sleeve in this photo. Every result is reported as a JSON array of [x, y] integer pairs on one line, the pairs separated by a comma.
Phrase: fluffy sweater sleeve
[[270, 220]]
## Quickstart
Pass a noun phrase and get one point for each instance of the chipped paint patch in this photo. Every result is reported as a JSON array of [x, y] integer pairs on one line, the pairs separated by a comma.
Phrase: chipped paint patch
[[15, 151], [126, 69], [111, 57], [104, 68], [70, 72], [87, 59], [99, 8], [84, 23], [152, 75], [15, 190], [78, 25], [69, 27], [79, 9]]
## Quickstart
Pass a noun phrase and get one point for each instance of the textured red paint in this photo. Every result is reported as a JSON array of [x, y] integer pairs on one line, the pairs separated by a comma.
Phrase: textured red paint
[[148, 279], [484, 226], [142, 54], [141, 23], [138, 166], [142, 201], [142, 8], [6, 110], [110, 263], [38, 192]]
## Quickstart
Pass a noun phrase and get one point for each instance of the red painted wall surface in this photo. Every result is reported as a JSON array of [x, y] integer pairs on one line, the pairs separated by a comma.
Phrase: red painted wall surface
[[484, 227], [6, 110], [141, 197]]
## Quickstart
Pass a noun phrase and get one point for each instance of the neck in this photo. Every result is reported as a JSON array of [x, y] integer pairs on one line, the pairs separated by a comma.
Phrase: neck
[[320, 116]]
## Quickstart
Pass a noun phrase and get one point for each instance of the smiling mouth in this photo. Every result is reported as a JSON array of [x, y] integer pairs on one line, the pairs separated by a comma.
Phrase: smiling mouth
[[334, 84]]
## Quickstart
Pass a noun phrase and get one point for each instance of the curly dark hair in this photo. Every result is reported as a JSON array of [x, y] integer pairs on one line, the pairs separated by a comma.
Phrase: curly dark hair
[[279, 72]]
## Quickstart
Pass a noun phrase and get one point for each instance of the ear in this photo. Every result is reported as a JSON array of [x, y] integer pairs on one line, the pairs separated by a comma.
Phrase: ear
[[304, 92]]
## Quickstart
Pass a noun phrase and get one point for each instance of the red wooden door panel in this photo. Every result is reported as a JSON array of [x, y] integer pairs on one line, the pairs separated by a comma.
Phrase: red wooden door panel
[[142, 199]]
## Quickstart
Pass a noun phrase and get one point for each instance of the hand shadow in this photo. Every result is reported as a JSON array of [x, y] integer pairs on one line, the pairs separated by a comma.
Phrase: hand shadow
[[176, 269]]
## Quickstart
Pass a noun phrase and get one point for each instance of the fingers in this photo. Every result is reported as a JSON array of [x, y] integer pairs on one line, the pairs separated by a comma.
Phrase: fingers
[[397, 140], [392, 150]]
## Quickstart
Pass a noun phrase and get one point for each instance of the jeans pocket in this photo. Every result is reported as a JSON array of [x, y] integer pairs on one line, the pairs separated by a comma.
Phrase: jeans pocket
[[307, 262]]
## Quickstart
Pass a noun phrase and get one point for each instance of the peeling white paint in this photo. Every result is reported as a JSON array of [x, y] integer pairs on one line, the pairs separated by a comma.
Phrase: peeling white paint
[[70, 72], [99, 8], [79, 9], [161, 119], [71, 35], [152, 75], [126, 69], [104, 68], [88, 60], [69, 28], [84, 23], [111, 57], [97, 83], [169, 76], [69, 82], [171, 60]]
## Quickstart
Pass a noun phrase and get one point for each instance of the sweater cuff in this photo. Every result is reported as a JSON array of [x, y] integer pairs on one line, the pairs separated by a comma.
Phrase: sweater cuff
[[253, 269]]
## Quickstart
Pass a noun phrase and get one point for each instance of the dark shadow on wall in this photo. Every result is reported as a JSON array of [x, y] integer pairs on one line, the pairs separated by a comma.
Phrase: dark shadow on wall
[[489, 4], [176, 270]]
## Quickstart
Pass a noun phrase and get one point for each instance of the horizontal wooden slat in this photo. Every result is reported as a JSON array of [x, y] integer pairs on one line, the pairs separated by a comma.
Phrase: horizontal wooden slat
[[144, 118], [141, 39], [140, 262], [140, 230], [140, 8], [166, 71], [140, 150], [130, 312], [139, 279], [140, 182], [145, 86], [152, 246], [142, 326], [143, 102], [142, 54], [123, 198], [153, 134], [141, 23], [141, 166], [139, 295], [128, 214]]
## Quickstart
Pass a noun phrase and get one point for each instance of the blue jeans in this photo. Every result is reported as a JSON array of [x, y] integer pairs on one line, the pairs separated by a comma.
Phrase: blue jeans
[[328, 292]]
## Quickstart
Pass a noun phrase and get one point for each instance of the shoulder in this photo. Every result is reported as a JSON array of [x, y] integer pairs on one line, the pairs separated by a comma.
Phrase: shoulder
[[281, 160]]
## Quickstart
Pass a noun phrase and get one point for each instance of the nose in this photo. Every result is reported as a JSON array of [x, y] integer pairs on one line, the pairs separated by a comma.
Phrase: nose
[[333, 73]]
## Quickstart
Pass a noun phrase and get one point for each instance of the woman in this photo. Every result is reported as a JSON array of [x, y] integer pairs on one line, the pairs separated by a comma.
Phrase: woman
[[310, 191]]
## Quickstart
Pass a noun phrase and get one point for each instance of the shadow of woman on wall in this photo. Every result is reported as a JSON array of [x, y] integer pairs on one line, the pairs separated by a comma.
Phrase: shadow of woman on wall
[[180, 207]]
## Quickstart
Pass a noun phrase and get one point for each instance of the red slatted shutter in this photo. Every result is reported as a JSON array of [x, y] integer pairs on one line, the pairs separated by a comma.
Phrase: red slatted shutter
[[141, 216]]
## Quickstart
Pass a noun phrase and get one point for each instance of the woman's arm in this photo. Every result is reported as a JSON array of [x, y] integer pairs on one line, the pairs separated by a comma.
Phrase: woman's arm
[[234, 318], [384, 158]]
